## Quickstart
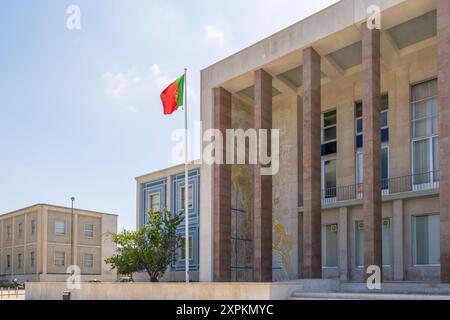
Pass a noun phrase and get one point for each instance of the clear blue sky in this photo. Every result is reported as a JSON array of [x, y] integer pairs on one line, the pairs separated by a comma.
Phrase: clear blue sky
[[79, 109]]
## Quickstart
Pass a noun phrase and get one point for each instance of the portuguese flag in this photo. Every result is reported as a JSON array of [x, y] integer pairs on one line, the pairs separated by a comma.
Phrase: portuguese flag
[[172, 96]]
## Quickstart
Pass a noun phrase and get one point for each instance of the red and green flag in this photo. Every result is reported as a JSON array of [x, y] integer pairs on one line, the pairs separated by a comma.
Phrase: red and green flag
[[172, 96]]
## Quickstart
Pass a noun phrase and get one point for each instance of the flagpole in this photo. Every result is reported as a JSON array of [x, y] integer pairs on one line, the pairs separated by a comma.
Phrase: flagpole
[[186, 183]]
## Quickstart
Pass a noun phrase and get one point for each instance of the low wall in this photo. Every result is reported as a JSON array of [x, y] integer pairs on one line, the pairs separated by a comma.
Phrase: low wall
[[163, 291]]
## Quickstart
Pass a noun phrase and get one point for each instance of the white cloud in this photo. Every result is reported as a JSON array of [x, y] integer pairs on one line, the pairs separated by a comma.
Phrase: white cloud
[[215, 35], [133, 88], [158, 78], [119, 85]]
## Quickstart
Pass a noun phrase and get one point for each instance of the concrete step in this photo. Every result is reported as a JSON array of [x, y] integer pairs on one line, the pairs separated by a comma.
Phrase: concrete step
[[364, 296], [419, 288]]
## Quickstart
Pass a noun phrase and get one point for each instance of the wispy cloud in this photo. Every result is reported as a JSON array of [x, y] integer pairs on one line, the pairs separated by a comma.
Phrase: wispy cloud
[[119, 85], [133, 88]]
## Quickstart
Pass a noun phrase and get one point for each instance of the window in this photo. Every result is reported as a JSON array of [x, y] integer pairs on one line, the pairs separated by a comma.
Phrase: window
[[8, 232], [359, 240], [60, 259], [60, 227], [190, 195], [88, 260], [20, 230], [8, 261], [19, 261], [329, 180], [88, 230], [33, 227], [330, 245], [385, 242], [32, 259], [426, 239], [328, 133], [183, 251], [154, 201], [424, 127], [384, 122], [384, 167], [329, 127]]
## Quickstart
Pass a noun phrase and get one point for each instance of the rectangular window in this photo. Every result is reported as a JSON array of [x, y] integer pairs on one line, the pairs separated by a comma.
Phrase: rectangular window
[[384, 167], [424, 130], [88, 260], [20, 230], [8, 261], [191, 197], [19, 261], [385, 242], [8, 232], [88, 230], [329, 179], [359, 244], [426, 239], [328, 133], [154, 201], [60, 227], [329, 121], [33, 227], [384, 121], [330, 245], [32, 259], [60, 259], [191, 248]]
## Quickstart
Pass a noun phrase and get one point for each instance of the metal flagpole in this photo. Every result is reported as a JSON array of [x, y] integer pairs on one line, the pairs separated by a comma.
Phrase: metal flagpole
[[186, 183]]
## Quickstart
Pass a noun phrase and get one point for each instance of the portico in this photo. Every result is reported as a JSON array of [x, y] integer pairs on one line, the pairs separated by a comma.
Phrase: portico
[[360, 171]]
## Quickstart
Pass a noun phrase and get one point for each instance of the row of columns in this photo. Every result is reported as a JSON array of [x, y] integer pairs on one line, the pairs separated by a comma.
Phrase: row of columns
[[311, 142], [262, 194]]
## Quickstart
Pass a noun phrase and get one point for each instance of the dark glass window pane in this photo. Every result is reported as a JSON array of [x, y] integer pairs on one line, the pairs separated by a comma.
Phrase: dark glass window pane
[[358, 110], [329, 118], [384, 102], [384, 163], [329, 148], [359, 126], [359, 141], [385, 135], [329, 134], [384, 119]]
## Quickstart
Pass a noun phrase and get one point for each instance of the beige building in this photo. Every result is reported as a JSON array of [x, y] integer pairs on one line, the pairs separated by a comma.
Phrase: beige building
[[347, 196], [40, 242]]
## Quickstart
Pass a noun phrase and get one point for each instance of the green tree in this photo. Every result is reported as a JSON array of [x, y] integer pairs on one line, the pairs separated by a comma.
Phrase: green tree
[[126, 260], [151, 248]]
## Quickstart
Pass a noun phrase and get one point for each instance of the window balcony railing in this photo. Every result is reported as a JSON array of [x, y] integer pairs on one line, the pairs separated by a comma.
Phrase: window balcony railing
[[389, 186]]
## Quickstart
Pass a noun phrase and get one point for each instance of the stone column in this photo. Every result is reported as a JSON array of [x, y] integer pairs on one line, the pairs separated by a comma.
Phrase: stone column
[[397, 236], [222, 192], [44, 229], [343, 243], [75, 240], [300, 152], [372, 147], [312, 219], [262, 215], [443, 33]]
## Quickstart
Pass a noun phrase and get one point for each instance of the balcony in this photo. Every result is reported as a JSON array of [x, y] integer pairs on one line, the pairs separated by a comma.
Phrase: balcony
[[391, 186]]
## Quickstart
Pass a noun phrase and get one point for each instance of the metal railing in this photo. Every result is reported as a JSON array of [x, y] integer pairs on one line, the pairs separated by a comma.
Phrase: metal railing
[[389, 186]]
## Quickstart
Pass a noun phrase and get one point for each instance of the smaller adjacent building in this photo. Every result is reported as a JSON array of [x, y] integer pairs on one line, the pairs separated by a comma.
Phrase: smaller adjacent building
[[165, 189], [40, 242]]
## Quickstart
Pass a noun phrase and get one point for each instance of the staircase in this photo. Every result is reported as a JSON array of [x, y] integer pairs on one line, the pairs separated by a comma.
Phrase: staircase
[[337, 290]]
